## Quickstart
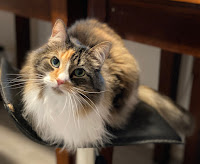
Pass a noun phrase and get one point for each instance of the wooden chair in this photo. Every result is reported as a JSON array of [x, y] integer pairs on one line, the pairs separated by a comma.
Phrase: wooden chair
[[171, 25]]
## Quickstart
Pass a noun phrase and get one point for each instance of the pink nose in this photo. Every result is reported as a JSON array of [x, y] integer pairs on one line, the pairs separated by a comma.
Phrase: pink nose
[[59, 82]]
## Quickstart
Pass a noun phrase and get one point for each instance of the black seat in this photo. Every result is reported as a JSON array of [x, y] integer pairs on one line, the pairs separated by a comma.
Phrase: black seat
[[145, 124]]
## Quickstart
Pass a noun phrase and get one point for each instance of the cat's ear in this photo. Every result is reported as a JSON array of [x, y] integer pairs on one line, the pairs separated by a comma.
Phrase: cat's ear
[[59, 32], [101, 51]]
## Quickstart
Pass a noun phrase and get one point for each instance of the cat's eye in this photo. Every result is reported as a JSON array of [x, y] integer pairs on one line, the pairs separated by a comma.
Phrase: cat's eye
[[55, 62], [79, 72]]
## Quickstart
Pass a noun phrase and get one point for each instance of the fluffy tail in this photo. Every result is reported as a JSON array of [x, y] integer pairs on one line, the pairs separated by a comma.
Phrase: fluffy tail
[[177, 117]]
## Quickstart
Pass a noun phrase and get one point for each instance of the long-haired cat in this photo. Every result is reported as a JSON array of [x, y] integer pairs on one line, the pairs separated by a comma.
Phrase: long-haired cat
[[83, 79]]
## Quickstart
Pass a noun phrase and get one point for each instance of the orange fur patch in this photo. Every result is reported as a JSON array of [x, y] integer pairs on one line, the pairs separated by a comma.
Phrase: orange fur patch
[[64, 59]]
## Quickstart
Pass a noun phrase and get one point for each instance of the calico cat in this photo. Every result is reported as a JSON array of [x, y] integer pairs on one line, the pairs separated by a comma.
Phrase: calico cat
[[83, 79]]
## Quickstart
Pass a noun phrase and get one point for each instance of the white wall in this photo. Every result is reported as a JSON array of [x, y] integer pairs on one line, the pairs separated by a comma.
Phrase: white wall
[[148, 58], [40, 32], [7, 34], [185, 81]]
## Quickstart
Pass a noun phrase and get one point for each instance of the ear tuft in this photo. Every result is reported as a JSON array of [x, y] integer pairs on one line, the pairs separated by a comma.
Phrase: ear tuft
[[59, 32], [101, 51]]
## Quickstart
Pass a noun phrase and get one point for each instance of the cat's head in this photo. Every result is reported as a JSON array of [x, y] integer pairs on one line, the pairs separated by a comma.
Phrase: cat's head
[[64, 65]]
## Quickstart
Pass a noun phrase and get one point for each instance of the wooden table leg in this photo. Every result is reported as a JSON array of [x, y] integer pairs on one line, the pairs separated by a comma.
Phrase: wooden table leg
[[168, 82], [22, 38], [63, 157], [107, 153], [58, 10], [192, 148], [68, 11]]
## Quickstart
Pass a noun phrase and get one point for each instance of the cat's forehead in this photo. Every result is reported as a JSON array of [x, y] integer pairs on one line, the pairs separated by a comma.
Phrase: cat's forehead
[[66, 55], [67, 52]]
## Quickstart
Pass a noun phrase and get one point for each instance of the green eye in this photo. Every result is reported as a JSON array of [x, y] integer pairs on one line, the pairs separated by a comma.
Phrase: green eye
[[80, 72], [55, 62]]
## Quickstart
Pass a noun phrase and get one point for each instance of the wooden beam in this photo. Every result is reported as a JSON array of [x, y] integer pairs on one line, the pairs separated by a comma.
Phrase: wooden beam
[[189, 1], [77, 9], [63, 157], [97, 9], [107, 153], [22, 38], [192, 148], [168, 83], [32, 8], [180, 5], [172, 28], [58, 10], [169, 72]]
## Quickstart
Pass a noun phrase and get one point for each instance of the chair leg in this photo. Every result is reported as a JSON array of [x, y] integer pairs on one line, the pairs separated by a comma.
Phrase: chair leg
[[63, 157], [58, 10], [65, 10], [168, 82], [22, 38], [107, 153], [192, 148]]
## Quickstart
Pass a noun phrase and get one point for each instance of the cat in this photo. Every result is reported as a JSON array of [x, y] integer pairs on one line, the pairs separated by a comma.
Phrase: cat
[[83, 79]]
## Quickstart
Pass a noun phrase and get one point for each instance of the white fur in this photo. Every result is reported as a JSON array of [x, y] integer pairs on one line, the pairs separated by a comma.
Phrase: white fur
[[55, 119], [65, 75], [50, 82]]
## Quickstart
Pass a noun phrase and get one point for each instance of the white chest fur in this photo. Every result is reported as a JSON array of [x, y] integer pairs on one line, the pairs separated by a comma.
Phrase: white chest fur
[[55, 119]]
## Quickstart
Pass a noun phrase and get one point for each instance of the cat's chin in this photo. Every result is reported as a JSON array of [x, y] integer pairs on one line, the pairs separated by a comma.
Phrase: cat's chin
[[57, 90], [55, 120]]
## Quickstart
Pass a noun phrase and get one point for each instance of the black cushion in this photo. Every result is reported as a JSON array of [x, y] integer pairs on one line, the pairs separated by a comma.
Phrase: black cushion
[[145, 124]]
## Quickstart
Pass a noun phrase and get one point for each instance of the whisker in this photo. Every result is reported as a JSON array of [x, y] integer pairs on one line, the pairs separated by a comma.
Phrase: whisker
[[17, 84], [80, 98], [12, 85], [23, 74], [63, 107], [76, 110], [22, 80], [88, 91], [17, 87], [97, 111], [80, 102], [68, 115], [72, 109]]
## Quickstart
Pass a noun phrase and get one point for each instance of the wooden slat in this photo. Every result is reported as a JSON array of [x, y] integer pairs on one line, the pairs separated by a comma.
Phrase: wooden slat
[[22, 38], [58, 10], [97, 9], [189, 1], [107, 153], [162, 153], [183, 5], [192, 149], [28, 8], [169, 72], [63, 157], [168, 83], [77, 9], [167, 28]]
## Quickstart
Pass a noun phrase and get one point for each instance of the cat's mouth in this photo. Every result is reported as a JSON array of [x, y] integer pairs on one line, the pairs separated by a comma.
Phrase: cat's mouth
[[61, 89]]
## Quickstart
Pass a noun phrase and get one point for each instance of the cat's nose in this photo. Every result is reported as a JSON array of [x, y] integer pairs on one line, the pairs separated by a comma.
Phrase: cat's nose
[[59, 81]]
